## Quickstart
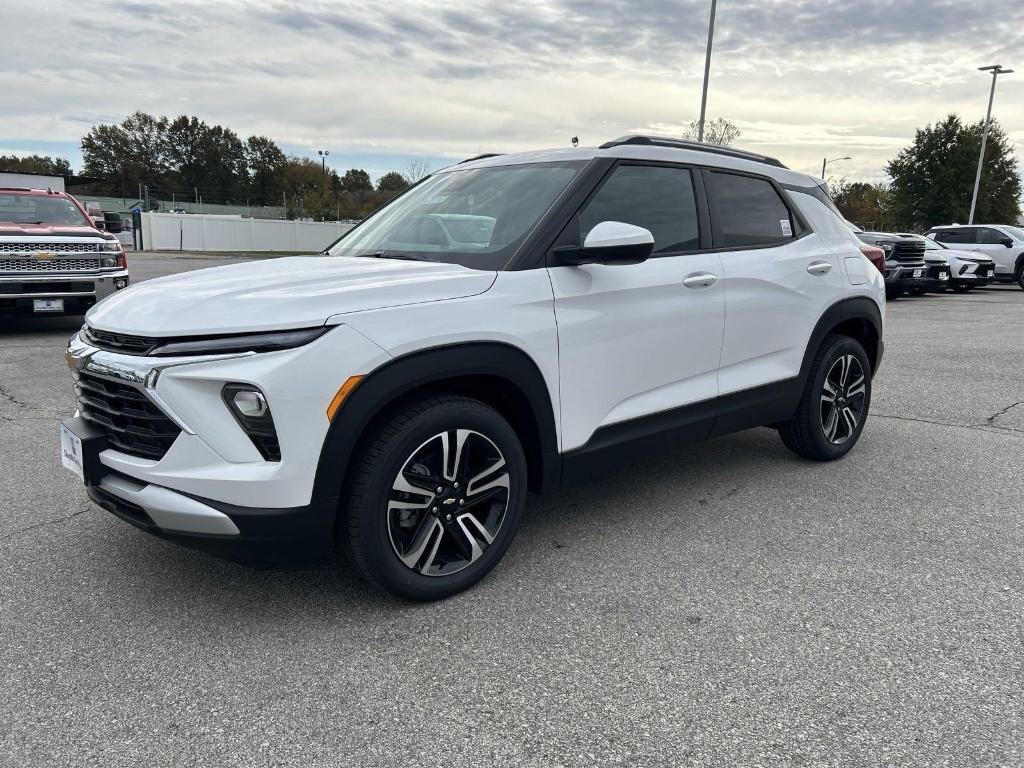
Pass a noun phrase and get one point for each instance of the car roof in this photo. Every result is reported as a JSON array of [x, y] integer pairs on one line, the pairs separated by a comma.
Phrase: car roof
[[28, 191], [635, 147]]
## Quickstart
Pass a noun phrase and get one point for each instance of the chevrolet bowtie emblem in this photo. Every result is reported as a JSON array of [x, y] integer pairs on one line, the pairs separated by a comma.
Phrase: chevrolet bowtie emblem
[[43, 255]]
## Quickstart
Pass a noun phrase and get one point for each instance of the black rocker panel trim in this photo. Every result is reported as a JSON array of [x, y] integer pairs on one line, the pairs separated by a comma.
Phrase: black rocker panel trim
[[421, 370]]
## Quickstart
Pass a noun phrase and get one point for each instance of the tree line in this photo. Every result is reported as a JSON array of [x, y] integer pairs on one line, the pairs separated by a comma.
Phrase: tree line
[[932, 181]]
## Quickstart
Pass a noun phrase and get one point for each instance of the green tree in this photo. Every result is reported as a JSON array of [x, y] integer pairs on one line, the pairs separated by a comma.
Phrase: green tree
[[264, 160], [55, 166], [933, 178], [392, 182], [129, 153], [862, 203], [356, 180]]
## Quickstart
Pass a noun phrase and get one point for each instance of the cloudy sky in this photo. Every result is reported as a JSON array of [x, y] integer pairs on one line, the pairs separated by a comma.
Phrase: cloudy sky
[[378, 83]]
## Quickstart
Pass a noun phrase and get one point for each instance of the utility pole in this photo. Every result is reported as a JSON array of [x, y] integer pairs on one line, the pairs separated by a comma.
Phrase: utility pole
[[996, 70], [323, 164], [146, 190], [707, 73]]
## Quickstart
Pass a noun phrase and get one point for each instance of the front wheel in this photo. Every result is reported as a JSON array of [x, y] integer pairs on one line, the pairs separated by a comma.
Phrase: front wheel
[[1018, 276], [962, 288], [834, 405], [891, 294], [436, 497]]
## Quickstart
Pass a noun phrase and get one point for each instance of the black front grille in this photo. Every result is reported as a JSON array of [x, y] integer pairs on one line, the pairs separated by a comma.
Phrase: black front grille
[[132, 422], [34, 287], [908, 252], [120, 342]]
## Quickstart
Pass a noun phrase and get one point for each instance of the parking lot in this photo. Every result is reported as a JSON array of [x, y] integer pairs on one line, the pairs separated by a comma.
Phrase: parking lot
[[728, 604]]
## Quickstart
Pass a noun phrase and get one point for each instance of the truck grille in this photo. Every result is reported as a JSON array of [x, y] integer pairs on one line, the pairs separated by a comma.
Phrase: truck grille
[[49, 265], [86, 247], [908, 253], [132, 422]]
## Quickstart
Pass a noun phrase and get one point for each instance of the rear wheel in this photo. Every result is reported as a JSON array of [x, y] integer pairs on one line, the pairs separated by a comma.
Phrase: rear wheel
[[834, 405], [436, 498]]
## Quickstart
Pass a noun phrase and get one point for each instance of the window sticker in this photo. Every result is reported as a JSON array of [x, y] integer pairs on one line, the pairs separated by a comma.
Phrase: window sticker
[[787, 228]]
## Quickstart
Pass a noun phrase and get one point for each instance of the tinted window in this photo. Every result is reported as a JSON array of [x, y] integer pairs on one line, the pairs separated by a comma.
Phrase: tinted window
[[658, 199], [960, 235], [750, 211], [989, 236]]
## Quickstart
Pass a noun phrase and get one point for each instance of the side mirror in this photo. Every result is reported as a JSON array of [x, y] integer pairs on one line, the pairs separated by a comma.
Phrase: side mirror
[[610, 242], [1007, 241]]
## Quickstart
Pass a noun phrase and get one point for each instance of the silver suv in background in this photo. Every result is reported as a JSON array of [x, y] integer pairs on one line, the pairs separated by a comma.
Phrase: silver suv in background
[[1002, 243]]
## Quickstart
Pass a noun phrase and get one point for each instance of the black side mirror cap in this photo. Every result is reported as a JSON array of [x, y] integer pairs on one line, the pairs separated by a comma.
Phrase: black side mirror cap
[[573, 255]]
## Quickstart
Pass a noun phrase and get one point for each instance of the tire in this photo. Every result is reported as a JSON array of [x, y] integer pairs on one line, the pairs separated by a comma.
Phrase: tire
[[420, 544], [811, 433], [1018, 276], [961, 288], [916, 291], [891, 294]]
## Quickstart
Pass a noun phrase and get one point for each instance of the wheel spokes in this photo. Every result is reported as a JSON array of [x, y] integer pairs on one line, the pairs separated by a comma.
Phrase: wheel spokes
[[430, 532], [451, 464], [832, 423]]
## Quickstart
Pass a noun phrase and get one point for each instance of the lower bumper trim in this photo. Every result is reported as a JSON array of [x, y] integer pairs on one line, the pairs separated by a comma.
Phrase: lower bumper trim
[[169, 510]]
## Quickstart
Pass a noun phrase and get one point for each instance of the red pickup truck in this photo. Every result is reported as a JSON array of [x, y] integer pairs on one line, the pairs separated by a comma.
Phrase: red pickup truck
[[53, 259]]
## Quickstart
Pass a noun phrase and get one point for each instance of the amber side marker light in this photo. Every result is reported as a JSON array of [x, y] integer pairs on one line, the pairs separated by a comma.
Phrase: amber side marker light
[[346, 389]]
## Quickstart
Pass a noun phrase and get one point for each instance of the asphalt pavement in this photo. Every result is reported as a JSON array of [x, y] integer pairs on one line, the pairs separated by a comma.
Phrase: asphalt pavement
[[725, 605]]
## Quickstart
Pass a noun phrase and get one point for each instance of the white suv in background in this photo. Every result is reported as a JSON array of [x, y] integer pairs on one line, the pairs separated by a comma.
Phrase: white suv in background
[[403, 393], [1000, 242]]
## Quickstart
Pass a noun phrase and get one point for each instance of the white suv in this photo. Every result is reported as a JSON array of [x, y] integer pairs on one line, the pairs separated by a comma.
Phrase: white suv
[[1000, 242], [511, 323]]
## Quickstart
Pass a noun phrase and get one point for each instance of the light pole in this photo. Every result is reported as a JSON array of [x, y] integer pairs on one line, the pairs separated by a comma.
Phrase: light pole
[[996, 70], [826, 161], [707, 73], [323, 162]]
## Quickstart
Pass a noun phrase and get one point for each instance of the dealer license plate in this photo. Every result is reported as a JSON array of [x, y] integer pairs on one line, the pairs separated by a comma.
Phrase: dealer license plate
[[71, 452], [47, 305], [918, 272]]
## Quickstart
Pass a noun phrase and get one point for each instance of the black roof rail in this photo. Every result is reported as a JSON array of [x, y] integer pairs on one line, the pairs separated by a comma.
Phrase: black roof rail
[[479, 157], [665, 141]]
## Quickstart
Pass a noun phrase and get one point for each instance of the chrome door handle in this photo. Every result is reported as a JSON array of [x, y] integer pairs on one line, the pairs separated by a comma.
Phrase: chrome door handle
[[700, 280], [819, 267]]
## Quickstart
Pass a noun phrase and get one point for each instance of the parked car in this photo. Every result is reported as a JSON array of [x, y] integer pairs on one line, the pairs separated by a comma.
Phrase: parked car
[[1002, 243], [53, 260], [906, 270], [968, 269], [628, 299]]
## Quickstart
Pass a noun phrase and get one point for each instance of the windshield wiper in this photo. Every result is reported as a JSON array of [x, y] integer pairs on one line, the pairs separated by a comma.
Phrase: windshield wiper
[[402, 256]]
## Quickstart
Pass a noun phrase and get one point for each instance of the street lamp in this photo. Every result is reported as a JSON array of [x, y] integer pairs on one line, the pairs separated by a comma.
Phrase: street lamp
[[707, 73], [996, 70], [323, 162], [825, 162]]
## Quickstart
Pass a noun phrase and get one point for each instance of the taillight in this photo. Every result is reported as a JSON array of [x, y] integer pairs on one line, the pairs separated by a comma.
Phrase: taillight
[[875, 255]]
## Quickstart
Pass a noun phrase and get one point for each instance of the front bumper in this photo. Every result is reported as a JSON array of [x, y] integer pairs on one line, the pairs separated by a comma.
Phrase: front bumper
[[78, 291], [901, 278], [291, 536]]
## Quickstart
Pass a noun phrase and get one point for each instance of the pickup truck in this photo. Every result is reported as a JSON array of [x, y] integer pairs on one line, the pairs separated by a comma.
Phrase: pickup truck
[[53, 259]]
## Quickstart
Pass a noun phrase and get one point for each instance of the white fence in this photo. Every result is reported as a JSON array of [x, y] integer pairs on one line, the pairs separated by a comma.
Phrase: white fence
[[172, 232]]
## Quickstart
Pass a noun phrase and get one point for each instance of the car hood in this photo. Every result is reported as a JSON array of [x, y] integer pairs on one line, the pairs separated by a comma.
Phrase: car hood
[[980, 258], [281, 293], [11, 229]]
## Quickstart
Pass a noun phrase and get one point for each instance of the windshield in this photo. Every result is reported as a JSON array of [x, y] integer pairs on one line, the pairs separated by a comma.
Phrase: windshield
[[475, 217], [40, 209], [929, 244], [1017, 232]]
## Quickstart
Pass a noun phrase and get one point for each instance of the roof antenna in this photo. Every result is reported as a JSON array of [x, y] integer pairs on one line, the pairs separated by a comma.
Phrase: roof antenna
[[575, 141]]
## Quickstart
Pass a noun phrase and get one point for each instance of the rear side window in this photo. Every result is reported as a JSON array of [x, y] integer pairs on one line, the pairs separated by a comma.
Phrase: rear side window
[[959, 235], [749, 211], [659, 199]]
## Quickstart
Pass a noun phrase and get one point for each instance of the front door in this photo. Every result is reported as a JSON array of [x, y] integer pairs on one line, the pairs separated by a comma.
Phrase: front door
[[637, 342]]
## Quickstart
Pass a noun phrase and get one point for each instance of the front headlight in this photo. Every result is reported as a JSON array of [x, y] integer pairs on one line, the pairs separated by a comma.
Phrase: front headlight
[[245, 342], [111, 246], [885, 245]]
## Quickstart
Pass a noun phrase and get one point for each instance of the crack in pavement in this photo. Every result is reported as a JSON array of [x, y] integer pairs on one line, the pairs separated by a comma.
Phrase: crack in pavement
[[11, 398], [1003, 412], [975, 427], [43, 524]]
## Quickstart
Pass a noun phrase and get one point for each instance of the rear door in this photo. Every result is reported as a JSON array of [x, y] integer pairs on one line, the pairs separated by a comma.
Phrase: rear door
[[779, 279], [640, 340]]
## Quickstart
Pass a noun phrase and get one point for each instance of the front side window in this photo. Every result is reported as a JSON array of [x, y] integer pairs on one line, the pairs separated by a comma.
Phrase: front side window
[[749, 211], [41, 209], [659, 199], [989, 236], [477, 217]]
